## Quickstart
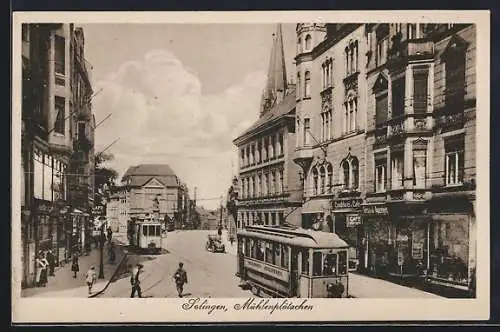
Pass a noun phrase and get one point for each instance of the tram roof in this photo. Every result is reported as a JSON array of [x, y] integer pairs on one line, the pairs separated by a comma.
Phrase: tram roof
[[297, 237]]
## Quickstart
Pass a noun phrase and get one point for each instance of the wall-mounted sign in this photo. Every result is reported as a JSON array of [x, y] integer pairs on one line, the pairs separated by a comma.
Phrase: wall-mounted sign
[[417, 251], [354, 203], [353, 220], [374, 209]]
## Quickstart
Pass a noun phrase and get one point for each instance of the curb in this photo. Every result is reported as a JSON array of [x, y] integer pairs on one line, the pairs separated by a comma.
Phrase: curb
[[118, 267]]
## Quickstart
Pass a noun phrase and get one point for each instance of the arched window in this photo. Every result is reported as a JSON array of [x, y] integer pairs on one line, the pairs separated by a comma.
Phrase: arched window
[[322, 181], [329, 181], [273, 182], [350, 169], [315, 181], [347, 173], [308, 43], [307, 84]]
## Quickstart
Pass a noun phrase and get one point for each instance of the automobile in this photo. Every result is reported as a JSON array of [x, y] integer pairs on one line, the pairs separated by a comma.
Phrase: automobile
[[214, 244]]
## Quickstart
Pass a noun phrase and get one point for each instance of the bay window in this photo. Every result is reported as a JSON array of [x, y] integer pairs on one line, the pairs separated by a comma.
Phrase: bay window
[[60, 108], [420, 86]]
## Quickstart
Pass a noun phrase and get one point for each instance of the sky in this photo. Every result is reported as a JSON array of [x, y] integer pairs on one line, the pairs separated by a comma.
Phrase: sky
[[179, 94]]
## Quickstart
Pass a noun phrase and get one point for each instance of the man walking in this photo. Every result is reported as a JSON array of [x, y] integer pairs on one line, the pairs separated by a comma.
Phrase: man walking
[[135, 282], [180, 278]]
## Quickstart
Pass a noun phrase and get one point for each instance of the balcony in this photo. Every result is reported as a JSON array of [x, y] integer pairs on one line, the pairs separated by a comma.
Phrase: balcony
[[303, 156], [409, 124], [411, 50]]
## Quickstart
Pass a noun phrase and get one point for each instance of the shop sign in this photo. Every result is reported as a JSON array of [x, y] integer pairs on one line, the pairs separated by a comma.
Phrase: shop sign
[[347, 204], [380, 210], [353, 220], [417, 251]]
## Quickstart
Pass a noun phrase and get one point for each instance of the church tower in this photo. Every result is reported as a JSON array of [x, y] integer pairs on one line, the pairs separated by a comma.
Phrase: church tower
[[276, 86]]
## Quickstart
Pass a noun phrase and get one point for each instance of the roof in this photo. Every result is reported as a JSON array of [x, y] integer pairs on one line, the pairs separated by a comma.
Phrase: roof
[[277, 112], [141, 174], [297, 237]]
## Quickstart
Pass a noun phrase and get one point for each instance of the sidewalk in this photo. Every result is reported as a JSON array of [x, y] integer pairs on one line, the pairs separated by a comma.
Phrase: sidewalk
[[230, 249], [367, 287], [64, 285]]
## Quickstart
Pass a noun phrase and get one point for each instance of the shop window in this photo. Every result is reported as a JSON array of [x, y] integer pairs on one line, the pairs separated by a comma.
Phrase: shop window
[[60, 108], [450, 250], [454, 161]]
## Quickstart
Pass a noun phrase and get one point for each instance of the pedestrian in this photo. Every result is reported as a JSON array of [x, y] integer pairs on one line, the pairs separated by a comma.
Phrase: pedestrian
[[180, 278], [110, 234], [91, 278], [135, 281], [52, 262], [44, 276], [39, 272], [75, 267], [111, 253]]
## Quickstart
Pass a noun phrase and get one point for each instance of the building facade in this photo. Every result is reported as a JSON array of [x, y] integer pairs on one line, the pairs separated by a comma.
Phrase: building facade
[[270, 191], [141, 186], [421, 148], [385, 123], [47, 143], [331, 125]]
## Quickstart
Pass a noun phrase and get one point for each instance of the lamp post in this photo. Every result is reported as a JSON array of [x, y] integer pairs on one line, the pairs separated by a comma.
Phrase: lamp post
[[101, 253]]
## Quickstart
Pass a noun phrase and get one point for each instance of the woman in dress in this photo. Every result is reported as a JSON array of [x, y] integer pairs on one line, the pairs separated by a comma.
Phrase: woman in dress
[[74, 265], [39, 271]]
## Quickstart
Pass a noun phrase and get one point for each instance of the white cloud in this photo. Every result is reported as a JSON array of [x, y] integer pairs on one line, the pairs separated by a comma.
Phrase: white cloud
[[161, 116]]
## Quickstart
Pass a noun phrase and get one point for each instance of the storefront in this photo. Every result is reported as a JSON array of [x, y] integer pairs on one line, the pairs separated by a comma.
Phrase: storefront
[[348, 226], [379, 241]]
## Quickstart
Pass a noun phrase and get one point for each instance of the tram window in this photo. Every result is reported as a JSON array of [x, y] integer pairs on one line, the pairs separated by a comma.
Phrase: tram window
[[144, 230], [330, 264], [342, 262], [152, 230], [158, 230], [260, 250], [247, 246], [253, 245], [277, 254], [284, 256], [317, 263], [269, 253], [305, 261]]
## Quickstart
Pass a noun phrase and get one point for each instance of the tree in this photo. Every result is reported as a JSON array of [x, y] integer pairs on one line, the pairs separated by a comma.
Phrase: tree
[[105, 177]]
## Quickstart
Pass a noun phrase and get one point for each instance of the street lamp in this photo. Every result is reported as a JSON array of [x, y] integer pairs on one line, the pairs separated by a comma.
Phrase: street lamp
[[101, 253]]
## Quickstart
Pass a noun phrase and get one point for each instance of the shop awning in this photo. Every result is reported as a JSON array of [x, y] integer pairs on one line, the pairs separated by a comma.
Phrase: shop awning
[[316, 206]]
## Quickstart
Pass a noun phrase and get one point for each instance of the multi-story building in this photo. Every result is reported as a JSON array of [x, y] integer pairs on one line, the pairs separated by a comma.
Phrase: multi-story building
[[270, 188], [331, 122], [140, 187], [385, 122], [82, 165], [421, 151], [46, 142]]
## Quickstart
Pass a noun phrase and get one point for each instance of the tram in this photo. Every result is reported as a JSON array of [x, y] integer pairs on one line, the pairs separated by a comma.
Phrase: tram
[[145, 235], [290, 262]]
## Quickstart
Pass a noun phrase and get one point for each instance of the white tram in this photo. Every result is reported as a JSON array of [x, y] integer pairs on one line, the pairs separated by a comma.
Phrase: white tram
[[288, 262], [146, 235]]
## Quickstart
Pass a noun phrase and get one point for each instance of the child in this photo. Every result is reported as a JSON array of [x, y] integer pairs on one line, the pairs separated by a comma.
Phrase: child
[[91, 278]]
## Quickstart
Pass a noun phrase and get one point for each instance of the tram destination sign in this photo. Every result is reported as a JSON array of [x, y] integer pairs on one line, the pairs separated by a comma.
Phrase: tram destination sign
[[353, 203], [266, 269]]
